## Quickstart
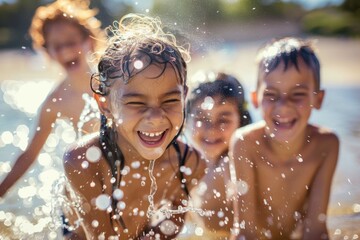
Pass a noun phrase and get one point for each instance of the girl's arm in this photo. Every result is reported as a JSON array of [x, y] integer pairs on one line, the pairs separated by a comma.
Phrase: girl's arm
[[315, 220], [28, 157]]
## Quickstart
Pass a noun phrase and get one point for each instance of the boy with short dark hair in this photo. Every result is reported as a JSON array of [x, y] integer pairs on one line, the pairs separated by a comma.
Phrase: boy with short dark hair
[[284, 165]]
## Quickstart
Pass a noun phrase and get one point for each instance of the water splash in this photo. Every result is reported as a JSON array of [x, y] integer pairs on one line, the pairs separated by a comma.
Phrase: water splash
[[64, 199], [168, 212], [89, 112], [151, 209]]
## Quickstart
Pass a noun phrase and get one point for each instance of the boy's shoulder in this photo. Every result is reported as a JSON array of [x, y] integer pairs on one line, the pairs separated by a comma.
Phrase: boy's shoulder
[[254, 131], [323, 135]]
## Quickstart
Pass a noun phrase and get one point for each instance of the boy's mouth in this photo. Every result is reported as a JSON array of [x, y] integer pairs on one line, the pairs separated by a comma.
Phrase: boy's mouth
[[284, 123], [152, 138]]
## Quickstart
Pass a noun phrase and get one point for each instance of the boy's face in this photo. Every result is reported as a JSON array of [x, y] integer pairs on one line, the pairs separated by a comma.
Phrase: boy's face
[[286, 99], [148, 110], [66, 44], [211, 124]]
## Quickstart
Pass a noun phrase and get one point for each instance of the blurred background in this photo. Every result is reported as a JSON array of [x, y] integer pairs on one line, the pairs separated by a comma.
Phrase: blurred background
[[224, 36]]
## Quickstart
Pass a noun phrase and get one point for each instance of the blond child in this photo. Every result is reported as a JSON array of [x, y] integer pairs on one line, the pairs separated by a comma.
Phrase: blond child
[[67, 32], [138, 174], [284, 164]]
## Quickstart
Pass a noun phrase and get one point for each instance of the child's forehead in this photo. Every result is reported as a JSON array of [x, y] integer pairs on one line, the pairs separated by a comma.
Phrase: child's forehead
[[158, 72], [153, 79], [211, 102], [61, 28], [297, 76]]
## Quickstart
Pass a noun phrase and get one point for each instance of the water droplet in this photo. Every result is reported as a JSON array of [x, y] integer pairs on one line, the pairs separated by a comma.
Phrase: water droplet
[[85, 164], [168, 227], [93, 154], [299, 158], [135, 164], [118, 194], [94, 223], [103, 201], [138, 64], [208, 103], [199, 231], [242, 187]]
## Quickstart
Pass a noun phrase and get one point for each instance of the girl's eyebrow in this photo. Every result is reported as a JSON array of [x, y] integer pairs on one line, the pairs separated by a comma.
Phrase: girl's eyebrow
[[226, 113], [170, 93]]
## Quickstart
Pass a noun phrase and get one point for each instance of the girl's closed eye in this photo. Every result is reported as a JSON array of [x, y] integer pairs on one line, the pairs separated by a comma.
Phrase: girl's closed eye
[[135, 103], [172, 100]]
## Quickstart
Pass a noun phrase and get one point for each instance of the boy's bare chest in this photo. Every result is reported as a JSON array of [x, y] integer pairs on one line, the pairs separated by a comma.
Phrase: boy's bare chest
[[283, 186]]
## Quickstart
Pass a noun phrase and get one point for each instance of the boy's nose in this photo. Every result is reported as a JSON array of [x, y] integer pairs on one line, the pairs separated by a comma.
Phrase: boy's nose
[[283, 101]]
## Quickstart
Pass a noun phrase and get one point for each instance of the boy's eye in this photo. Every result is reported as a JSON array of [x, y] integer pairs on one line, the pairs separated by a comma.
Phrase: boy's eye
[[299, 94], [270, 95]]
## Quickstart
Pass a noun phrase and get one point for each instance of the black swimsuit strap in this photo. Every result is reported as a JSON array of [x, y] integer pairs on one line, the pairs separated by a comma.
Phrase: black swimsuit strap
[[182, 160]]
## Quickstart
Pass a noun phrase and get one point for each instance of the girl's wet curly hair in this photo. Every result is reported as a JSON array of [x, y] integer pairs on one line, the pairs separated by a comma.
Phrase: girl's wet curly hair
[[136, 42], [76, 12]]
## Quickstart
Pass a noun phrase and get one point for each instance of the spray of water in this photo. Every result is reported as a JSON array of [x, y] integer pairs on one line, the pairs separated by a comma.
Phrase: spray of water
[[167, 212], [89, 112]]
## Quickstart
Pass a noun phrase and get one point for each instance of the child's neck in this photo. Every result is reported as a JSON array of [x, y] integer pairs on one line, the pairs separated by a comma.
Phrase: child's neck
[[289, 149]]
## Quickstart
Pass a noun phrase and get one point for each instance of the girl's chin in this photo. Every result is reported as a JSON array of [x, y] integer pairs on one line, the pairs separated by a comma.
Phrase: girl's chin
[[157, 154]]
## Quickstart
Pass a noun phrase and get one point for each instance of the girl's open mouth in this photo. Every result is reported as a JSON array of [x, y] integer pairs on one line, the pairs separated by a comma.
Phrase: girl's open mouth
[[152, 138]]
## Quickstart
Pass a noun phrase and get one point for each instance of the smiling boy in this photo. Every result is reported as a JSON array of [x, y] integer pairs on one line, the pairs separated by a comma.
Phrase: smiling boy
[[284, 164]]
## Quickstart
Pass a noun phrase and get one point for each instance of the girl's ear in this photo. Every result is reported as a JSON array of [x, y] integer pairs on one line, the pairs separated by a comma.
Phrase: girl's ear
[[254, 99], [102, 102], [319, 97]]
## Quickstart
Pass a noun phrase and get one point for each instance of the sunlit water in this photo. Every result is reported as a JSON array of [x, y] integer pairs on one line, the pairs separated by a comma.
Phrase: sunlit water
[[28, 208]]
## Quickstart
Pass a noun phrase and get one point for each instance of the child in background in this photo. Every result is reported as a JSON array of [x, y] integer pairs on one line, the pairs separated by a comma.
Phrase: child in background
[[216, 108], [137, 174], [67, 32], [284, 164]]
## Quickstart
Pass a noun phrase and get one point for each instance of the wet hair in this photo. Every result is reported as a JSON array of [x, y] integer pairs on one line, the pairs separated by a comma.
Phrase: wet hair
[[76, 12], [288, 50], [136, 42], [226, 87]]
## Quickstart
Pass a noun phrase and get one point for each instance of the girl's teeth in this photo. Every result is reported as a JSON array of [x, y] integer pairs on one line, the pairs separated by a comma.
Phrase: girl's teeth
[[152, 134]]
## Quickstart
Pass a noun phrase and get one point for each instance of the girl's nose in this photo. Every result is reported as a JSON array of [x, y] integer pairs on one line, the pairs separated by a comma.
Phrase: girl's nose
[[155, 114]]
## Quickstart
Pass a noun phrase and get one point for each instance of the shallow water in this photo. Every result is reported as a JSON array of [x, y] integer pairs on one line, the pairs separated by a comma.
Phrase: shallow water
[[26, 209]]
